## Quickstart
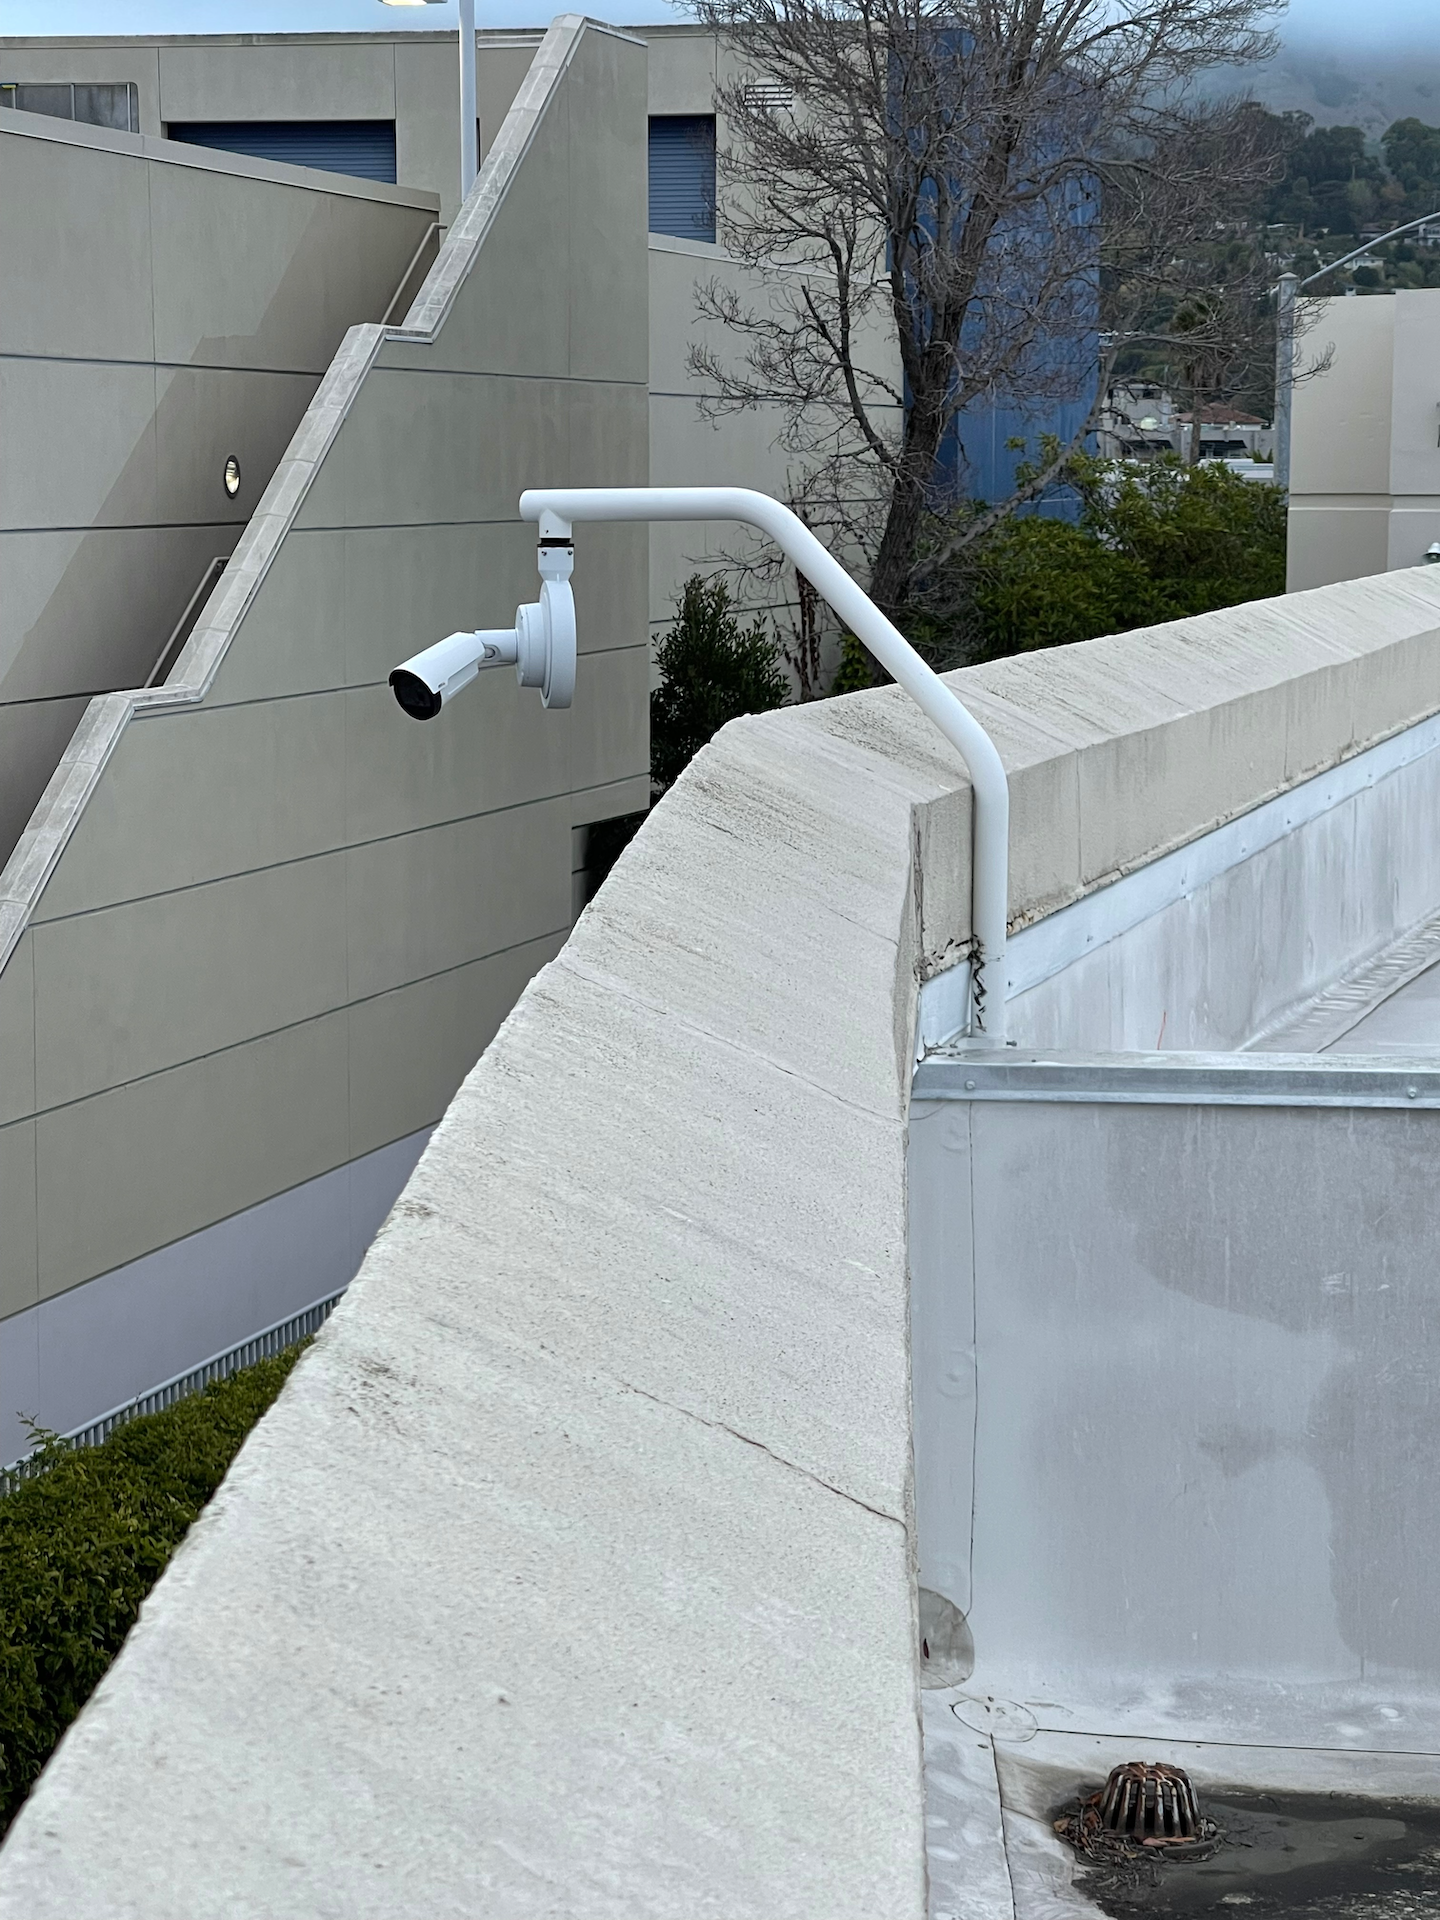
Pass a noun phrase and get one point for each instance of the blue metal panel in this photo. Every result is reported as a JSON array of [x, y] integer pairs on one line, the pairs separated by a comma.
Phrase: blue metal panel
[[364, 148], [682, 175]]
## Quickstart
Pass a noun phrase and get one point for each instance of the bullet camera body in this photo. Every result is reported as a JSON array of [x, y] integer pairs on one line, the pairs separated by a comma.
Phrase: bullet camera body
[[540, 647]]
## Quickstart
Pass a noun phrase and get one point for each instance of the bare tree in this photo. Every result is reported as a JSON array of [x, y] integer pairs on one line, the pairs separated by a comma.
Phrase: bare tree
[[1013, 191]]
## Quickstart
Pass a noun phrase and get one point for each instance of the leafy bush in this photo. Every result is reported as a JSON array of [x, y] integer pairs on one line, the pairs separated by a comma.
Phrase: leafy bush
[[1044, 583], [82, 1544], [1154, 542], [714, 670]]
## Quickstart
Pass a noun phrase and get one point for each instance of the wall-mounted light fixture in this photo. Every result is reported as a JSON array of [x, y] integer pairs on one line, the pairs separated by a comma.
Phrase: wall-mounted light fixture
[[232, 475]]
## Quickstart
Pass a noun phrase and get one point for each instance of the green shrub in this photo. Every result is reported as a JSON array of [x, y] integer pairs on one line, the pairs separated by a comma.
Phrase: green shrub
[[714, 670], [1044, 583], [83, 1542], [1205, 537], [1154, 543]]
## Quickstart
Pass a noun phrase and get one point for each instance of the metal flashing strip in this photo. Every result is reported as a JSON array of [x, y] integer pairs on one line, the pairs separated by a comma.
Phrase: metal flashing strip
[[1180, 1079], [1038, 952], [1326, 1019]]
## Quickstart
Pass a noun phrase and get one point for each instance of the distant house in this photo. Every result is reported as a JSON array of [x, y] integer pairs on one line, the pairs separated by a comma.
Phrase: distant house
[[1141, 420]]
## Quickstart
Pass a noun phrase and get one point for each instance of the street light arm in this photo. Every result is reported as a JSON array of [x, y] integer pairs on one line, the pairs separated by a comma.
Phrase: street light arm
[[1345, 260], [558, 508]]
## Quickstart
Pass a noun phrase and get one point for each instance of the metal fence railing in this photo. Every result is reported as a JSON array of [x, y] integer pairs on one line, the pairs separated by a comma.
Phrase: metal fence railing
[[260, 1346]]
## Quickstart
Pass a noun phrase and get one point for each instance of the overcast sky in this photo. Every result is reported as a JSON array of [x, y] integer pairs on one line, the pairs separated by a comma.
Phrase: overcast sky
[[1376, 25]]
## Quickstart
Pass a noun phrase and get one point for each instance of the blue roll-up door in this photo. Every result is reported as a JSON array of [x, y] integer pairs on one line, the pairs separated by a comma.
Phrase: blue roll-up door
[[365, 148], [682, 175]]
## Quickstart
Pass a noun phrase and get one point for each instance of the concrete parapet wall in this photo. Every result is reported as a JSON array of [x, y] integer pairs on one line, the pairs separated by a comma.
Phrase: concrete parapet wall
[[574, 1571], [261, 924]]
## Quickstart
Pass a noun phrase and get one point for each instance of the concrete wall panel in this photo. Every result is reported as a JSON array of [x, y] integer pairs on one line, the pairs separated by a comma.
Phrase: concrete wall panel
[[271, 768], [126, 991], [612, 560], [617, 690], [19, 1268], [605, 302], [427, 901], [427, 115], [205, 414], [178, 308], [234, 290], [278, 82], [409, 1047], [682, 71], [1414, 528], [33, 736], [530, 247], [1340, 419], [298, 630], [500, 752], [1414, 425], [87, 430], [1365, 472], [141, 1165], [93, 607], [1343, 540], [95, 297], [17, 1033], [427, 101], [439, 446]]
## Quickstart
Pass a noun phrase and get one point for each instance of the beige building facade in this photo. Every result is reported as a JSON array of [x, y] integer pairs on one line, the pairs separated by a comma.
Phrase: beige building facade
[[408, 81], [255, 926], [1365, 448], [166, 315], [259, 925]]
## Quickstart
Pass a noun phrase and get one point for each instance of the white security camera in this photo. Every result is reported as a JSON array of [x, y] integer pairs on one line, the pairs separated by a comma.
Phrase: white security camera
[[423, 684], [540, 646]]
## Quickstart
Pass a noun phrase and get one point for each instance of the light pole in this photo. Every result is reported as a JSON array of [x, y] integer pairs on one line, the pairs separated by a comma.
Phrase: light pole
[[469, 134], [1285, 295]]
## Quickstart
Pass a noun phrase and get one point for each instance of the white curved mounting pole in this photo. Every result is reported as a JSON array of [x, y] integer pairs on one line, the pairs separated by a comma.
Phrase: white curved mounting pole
[[558, 508]]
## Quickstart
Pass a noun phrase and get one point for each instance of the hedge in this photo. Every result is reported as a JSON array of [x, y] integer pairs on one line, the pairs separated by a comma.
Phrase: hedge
[[82, 1543]]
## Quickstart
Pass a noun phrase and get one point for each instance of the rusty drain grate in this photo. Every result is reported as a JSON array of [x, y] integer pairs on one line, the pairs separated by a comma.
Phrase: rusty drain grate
[[1144, 1803], [1150, 1802]]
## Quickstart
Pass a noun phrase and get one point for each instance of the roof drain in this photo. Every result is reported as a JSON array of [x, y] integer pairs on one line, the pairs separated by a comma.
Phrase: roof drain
[[1144, 1803], [1150, 1802]]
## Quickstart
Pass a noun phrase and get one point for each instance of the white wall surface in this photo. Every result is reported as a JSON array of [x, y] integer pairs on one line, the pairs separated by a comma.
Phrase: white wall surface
[[1365, 462], [1225, 942], [1187, 1412]]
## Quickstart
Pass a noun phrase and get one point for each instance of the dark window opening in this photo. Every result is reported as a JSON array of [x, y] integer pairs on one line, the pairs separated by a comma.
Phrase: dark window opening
[[114, 105], [682, 175], [363, 148], [595, 849]]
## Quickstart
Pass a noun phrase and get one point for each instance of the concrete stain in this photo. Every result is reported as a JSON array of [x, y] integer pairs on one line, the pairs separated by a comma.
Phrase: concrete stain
[[1285, 1856]]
